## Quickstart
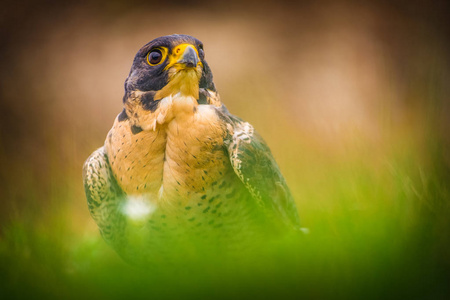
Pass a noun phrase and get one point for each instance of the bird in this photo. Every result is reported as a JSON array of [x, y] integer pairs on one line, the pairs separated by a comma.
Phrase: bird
[[178, 167]]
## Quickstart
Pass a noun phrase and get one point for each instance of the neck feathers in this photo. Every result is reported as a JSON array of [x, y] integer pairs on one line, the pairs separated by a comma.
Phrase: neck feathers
[[184, 82]]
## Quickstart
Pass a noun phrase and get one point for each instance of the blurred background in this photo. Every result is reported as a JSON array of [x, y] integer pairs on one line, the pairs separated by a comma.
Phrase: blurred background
[[353, 98]]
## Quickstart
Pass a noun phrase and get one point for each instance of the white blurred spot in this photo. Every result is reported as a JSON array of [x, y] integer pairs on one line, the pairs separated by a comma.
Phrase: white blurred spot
[[138, 208], [305, 230]]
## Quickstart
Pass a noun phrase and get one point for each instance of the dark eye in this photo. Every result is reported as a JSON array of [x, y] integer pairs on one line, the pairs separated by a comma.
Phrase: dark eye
[[155, 57]]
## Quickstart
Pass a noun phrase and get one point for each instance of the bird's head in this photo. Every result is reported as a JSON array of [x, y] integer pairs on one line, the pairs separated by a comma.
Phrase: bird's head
[[170, 65]]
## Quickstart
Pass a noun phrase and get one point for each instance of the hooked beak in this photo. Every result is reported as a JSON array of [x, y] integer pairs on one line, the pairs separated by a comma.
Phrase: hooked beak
[[184, 56], [189, 57]]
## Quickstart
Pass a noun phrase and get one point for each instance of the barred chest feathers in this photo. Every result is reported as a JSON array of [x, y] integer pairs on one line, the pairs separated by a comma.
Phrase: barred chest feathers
[[177, 156]]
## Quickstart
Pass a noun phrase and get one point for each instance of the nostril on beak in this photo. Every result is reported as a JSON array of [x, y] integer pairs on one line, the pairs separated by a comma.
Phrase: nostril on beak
[[189, 57]]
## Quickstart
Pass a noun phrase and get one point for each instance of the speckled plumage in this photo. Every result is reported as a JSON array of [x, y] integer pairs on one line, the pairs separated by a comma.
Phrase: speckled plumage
[[177, 164]]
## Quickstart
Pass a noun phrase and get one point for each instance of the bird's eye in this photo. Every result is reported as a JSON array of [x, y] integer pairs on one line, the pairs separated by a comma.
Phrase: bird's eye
[[154, 57]]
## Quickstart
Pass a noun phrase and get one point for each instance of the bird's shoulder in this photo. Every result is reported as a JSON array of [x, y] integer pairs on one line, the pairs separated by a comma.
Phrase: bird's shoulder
[[256, 167]]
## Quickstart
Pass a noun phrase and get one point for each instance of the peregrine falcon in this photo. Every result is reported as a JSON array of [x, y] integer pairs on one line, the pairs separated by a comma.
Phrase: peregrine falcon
[[177, 164]]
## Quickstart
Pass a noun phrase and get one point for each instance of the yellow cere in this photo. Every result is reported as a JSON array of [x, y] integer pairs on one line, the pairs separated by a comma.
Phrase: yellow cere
[[177, 52]]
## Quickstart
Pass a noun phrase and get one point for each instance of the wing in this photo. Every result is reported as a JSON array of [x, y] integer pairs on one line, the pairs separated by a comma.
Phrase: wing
[[254, 164], [104, 197]]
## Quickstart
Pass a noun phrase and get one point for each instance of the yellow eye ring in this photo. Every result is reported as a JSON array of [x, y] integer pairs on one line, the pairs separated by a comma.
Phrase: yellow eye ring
[[156, 56]]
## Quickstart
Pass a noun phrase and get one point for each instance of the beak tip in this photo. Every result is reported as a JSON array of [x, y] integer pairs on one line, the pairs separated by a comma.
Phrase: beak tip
[[189, 58]]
